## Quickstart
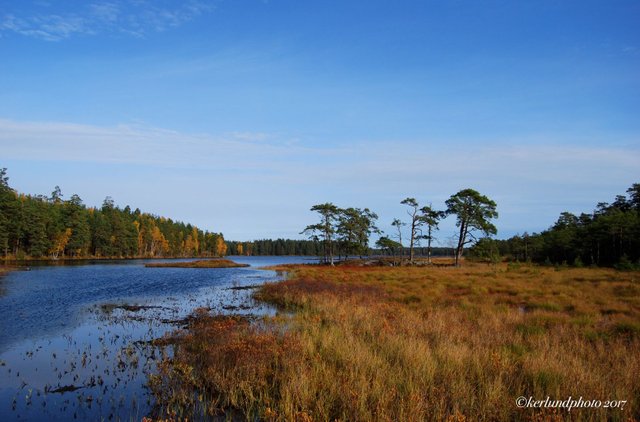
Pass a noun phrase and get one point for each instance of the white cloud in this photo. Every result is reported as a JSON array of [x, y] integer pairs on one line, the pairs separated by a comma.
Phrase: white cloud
[[133, 17], [49, 28], [531, 183], [250, 136], [385, 163], [106, 12], [239, 156]]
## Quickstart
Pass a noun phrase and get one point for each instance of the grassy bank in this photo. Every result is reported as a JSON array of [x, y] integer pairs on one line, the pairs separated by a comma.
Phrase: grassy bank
[[417, 344], [206, 263]]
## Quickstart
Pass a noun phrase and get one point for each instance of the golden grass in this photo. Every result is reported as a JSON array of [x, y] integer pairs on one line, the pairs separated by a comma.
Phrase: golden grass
[[410, 343], [206, 263]]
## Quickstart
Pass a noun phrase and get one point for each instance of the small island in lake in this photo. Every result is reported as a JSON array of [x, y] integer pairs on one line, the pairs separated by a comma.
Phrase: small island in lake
[[207, 263]]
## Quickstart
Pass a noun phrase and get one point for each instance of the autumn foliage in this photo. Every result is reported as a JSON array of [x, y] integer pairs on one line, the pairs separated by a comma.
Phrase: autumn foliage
[[36, 226], [416, 343]]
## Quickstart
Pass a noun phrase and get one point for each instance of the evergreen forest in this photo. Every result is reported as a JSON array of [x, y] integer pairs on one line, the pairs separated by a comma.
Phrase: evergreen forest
[[37, 226]]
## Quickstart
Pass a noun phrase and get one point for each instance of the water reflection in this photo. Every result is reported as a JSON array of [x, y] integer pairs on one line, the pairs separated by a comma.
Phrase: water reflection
[[76, 341]]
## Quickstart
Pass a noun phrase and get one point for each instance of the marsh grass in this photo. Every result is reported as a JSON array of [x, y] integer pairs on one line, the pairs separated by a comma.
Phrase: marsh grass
[[427, 343]]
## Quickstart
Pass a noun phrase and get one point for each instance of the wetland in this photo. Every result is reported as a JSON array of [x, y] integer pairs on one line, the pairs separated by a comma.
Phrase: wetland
[[77, 340]]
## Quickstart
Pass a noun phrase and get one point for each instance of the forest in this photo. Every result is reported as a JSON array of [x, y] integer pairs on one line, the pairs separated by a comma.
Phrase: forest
[[270, 247], [36, 226], [608, 236]]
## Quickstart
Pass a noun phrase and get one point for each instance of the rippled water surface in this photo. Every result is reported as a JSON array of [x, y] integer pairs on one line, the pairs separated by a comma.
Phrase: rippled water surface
[[73, 339]]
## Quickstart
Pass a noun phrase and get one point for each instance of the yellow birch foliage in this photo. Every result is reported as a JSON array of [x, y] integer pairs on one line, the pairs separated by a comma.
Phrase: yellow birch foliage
[[160, 244], [221, 247], [136, 224], [60, 242], [196, 242], [189, 245]]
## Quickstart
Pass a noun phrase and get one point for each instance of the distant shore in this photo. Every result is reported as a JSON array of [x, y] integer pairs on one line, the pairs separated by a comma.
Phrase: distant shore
[[96, 258], [13, 261]]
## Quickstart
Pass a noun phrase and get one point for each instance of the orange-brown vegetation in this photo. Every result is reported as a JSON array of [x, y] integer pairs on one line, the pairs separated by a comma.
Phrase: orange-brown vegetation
[[417, 343], [205, 263], [223, 354]]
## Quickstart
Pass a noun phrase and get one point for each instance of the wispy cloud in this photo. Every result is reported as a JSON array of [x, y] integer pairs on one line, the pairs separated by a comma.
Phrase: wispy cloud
[[133, 17], [532, 183], [49, 28], [136, 144], [391, 160]]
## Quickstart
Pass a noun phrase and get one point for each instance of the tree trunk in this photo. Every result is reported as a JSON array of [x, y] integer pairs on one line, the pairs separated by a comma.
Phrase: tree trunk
[[429, 246], [461, 240], [413, 231], [331, 253]]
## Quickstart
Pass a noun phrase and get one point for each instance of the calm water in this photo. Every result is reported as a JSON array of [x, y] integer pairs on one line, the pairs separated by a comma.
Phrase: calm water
[[65, 356]]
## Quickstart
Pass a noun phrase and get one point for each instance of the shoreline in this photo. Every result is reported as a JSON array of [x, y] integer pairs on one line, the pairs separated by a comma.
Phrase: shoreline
[[5, 262], [98, 258], [114, 336]]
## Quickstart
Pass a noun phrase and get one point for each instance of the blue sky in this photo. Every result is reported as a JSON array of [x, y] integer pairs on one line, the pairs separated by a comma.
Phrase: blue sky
[[238, 116]]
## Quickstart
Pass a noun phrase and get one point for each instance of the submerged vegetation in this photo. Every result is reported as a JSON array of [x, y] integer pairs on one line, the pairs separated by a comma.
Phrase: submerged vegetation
[[207, 263], [415, 343]]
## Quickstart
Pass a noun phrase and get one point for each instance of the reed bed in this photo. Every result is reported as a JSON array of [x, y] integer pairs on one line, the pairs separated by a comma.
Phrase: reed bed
[[415, 343]]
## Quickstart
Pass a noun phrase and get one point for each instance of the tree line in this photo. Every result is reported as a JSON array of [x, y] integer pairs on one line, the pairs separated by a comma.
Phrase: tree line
[[608, 236], [297, 247], [346, 231], [37, 226], [270, 247]]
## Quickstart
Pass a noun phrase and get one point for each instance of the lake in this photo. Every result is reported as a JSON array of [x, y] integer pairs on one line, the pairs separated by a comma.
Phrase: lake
[[74, 338]]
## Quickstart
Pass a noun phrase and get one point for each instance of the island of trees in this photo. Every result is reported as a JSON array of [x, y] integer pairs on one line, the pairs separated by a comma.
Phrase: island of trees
[[347, 231]]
